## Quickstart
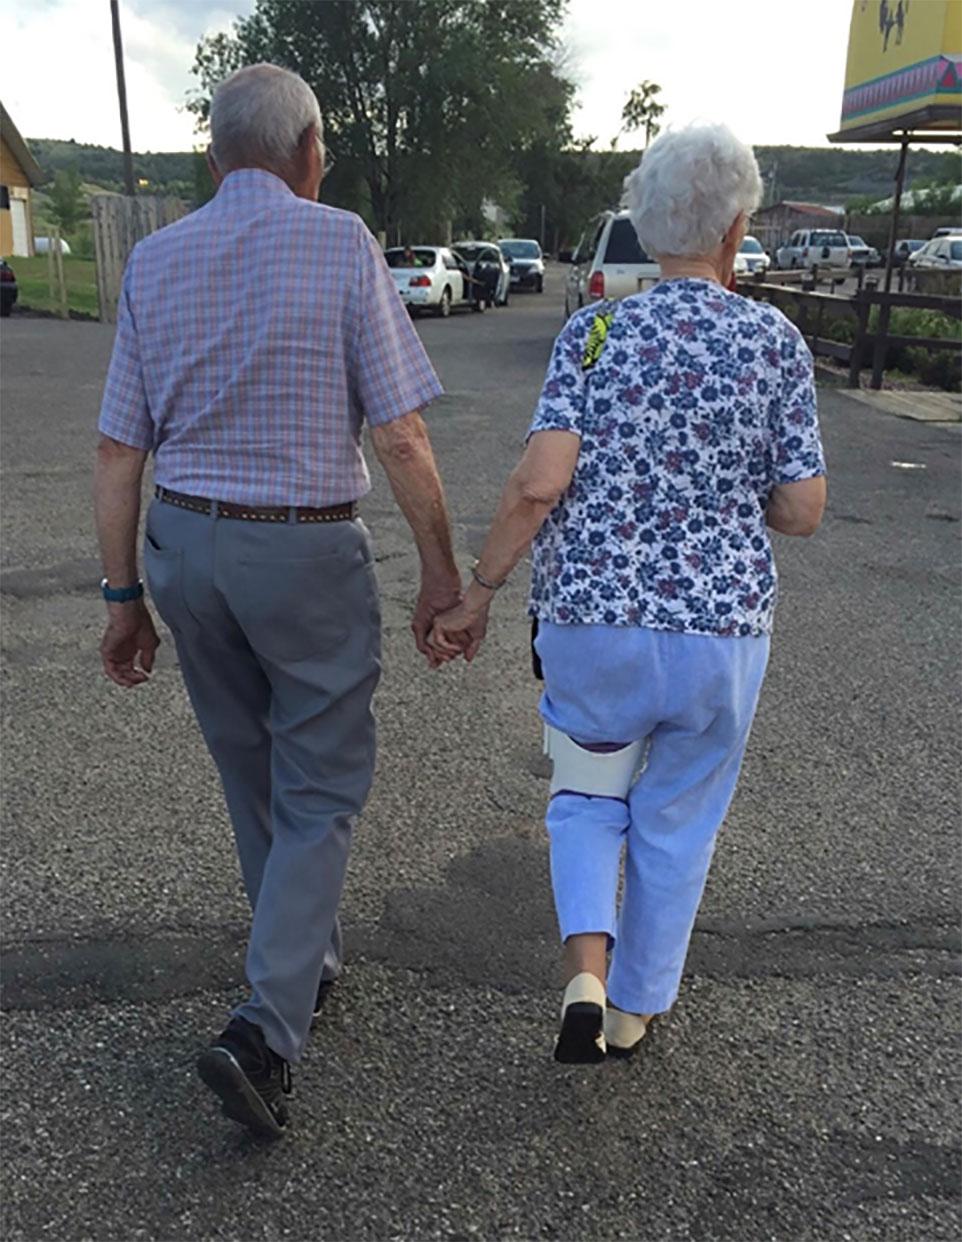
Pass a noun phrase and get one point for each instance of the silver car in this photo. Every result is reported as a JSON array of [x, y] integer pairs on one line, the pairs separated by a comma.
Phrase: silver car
[[527, 262]]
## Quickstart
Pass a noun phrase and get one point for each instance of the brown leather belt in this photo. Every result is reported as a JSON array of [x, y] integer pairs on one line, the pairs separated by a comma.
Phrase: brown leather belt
[[256, 513]]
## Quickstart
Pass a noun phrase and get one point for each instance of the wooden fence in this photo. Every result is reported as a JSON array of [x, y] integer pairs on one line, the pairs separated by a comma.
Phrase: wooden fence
[[118, 224], [813, 313]]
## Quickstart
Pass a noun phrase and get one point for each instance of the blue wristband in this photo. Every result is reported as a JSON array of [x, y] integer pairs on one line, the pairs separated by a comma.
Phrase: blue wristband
[[121, 595]]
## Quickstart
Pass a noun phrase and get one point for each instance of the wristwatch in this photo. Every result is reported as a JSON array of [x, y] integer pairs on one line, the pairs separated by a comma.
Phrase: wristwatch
[[121, 595]]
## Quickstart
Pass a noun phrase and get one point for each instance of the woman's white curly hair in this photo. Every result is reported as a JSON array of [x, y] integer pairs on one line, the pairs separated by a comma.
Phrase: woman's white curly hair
[[689, 187]]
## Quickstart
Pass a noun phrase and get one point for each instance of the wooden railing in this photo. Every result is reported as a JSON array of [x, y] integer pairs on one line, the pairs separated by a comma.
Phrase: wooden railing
[[810, 310]]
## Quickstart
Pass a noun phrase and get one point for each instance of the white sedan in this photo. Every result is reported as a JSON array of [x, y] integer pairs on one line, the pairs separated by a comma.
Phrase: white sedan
[[429, 278], [753, 256]]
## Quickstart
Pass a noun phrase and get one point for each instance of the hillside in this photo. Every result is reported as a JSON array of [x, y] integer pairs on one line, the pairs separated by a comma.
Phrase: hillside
[[819, 174], [167, 172]]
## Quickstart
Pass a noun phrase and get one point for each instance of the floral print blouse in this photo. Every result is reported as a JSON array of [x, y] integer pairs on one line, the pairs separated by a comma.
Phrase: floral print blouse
[[691, 403]]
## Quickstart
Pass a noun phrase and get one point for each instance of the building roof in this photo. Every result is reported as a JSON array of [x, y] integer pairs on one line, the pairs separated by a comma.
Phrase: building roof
[[807, 209], [11, 136]]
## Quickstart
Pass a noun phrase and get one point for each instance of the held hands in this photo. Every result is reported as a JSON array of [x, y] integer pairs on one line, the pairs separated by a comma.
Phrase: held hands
[[460, 631], [129, 644]]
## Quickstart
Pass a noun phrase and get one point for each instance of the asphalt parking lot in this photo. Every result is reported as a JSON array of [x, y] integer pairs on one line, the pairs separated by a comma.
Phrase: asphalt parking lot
[[806, 1086]]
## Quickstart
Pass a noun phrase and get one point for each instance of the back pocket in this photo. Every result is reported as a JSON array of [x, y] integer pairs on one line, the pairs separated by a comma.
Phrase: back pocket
[[293, 610]]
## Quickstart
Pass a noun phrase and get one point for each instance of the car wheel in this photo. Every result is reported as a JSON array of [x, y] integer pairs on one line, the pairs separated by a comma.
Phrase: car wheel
[[443, 308], [540, 288]]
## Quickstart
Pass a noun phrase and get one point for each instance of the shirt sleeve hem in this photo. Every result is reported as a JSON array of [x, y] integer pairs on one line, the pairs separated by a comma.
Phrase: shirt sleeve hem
[[415, 400], [800, 478], [123, 435]]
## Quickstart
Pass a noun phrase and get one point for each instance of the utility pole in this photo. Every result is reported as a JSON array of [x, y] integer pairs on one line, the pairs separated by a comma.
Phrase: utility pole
[[122, 96]]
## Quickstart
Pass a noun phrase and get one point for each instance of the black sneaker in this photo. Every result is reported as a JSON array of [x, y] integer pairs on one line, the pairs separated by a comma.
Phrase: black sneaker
[[250, 1078], [323, 992]]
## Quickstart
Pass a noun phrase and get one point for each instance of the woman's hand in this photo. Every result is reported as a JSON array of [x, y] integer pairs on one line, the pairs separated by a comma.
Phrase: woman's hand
[[459, 631]]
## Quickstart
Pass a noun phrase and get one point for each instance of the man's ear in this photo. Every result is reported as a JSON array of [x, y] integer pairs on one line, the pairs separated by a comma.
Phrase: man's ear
[[212, 166]]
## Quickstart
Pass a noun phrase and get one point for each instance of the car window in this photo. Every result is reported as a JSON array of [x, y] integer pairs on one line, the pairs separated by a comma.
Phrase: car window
[[751, 246], [521, 249], [829, 239], [623, 245], [407, 257], [593, 236], [955, 250]]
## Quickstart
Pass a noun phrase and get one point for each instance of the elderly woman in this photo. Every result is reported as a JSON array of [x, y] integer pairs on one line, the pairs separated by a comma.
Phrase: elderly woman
[[673, 429]]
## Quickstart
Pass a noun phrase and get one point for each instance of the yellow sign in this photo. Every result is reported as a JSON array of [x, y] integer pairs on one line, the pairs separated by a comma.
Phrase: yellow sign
[[904, 66]]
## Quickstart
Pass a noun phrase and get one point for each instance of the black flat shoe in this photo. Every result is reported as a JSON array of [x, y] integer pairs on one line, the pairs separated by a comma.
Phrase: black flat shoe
[[581, 1040], [250, 1079], [323, 992]]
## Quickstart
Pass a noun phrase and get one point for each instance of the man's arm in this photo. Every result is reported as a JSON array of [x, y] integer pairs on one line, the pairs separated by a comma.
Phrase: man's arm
[[130, 641], [404, 450], [535, 486]]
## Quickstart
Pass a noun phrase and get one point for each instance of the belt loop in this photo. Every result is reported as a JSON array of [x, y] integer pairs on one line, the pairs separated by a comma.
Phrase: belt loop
[[292, 515], [213, 510]]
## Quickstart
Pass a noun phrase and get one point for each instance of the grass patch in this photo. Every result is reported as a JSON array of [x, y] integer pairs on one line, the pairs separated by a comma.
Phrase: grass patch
[[80, 275]]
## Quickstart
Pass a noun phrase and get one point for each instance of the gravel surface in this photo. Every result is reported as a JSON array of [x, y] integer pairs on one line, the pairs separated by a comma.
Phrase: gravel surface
[[804, 1089]]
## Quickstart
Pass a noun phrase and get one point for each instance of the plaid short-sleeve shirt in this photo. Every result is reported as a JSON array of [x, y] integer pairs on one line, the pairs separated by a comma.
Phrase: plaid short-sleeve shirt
[[254, 338]]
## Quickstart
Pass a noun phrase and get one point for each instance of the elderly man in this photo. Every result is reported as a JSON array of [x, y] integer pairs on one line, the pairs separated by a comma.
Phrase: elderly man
[[254, 338]]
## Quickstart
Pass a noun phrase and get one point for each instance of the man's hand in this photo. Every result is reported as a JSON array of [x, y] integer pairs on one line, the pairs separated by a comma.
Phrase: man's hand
[[437, 595], [129, 644], [460, 631]]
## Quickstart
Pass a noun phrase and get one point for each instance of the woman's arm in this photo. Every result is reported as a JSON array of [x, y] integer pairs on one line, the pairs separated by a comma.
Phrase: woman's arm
[[797, 508], [534, 488]]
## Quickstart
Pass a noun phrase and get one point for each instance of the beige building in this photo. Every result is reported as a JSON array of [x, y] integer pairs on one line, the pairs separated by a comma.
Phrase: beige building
[[19, 173]]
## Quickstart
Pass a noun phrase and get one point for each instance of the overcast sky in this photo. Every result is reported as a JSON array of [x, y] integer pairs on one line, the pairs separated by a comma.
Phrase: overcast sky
[[739, 61]]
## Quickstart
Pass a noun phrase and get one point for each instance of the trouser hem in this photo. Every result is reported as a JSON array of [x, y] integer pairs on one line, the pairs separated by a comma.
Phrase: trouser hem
[[274, 1034], [641, 1002]]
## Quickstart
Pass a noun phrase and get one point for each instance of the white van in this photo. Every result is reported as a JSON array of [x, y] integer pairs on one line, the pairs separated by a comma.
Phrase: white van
[[810, 247], [608, 263]]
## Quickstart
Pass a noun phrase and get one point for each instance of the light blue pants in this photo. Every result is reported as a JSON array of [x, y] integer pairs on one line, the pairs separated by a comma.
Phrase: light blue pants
[[693, 697]]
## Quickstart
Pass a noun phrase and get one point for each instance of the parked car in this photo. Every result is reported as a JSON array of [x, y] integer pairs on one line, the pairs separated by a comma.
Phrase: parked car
[[8, 288], [41, 245], [904, 250], [861, 254], [430, 278], [527, 262], [942, 253], [608, 263], [752, 252], [488, 257], [814, 247]]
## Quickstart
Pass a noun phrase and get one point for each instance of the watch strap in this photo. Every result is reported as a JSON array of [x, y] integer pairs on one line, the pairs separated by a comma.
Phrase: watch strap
[[121, 595]]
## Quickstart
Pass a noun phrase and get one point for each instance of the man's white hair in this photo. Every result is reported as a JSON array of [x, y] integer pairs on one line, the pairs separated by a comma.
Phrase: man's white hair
[[689, 187], [257, 117]]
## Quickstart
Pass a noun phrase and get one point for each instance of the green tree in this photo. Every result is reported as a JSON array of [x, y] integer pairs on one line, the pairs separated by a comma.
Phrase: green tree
[[641, 112], [426, 101], [67, 204]]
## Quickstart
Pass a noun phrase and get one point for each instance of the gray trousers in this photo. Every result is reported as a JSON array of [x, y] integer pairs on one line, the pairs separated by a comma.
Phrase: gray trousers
[[277, 628]]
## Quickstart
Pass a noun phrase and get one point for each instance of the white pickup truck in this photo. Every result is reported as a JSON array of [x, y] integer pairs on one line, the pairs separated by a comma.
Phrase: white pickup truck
[[810, 247]]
